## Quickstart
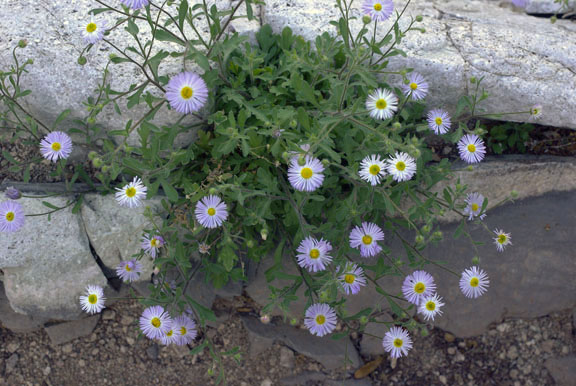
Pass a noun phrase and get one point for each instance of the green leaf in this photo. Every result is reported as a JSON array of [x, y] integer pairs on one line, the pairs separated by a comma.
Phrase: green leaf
[[132, 28], [227, 257], [49, 205], [61, 117], [165, 36], [169, 190], [182, 12]]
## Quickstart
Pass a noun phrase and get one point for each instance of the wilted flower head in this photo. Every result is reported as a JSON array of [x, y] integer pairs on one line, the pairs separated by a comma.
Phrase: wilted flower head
[[502, 239], [12, 193]]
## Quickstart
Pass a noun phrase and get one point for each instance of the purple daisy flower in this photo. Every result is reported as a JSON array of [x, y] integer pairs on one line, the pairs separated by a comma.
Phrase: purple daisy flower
[[474, 282], [185, 330], [11, 216], [155, 322], [397, 342], [170, 336], [56, 145], [12, 193], [314, 254], [378, 10], [186, 92], [418, 285], [135, 4], [366, 238], [471, 148], [129, 271], [211, 211], [151, 245], [320, 319], [439, 121], [417, 86], [474, 207], [307, 177], [352, 278]]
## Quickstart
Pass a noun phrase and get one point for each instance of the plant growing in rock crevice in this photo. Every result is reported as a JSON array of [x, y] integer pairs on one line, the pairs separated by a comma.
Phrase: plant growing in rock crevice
[[311, 152]]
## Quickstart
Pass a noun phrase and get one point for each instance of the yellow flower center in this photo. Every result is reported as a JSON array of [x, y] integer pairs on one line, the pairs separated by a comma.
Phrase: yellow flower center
[[211, 211], [377, 7], [398, 342], [56, 146], [367, 239], [183, 330], [170, 333], [374, 170], [320, 319], [471, 148], [10, 216], [419, 287], [474, 282], [475, 207], [413, 86], [349, 278], [306, 173], [92, 299], [438, 121], [314, 253], [400, 166], [502, 239], [91, 27], [154, 242], [430, 306], [155, 322], [381, 104], [130, 192], [186, 92], [127, 268]]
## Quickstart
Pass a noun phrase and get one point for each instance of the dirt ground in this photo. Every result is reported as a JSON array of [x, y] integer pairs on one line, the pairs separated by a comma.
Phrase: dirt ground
[[510, 353]]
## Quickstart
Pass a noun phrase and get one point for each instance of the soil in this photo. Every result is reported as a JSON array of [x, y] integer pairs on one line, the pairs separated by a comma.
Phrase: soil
[[509, 353]]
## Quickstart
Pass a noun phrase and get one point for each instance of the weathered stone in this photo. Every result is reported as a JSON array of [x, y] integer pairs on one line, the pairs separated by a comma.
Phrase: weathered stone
[[497, 177], [303, 378], [563, 370], [330, 353], [65, 332], [536, 7], [14, 321], [465, 39], [47, 264], [116, 232], [371, 343]]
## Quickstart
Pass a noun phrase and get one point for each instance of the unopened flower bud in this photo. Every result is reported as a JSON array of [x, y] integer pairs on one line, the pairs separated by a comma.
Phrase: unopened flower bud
[[91, 120], [473, 80], [324, 296], [105, 168], [301, 160], [366, 19], [396, 125], [265, 319], [475, 260], [325, 163], [514, 194], [426, 229], [92, 155], [470, 168], [437, 235], [82, 60], [30, 61], [264, 233], [424, 332], [212, 191], [97, 162], [419, 18], [363, 319], [293, 123], [12, 193], [419, 239], [293, 321], [250, 243], [23, 43]]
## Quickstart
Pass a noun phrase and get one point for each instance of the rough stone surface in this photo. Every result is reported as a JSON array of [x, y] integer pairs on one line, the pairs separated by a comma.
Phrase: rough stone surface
[[58, 82], [65, 332], [326, 351], [47, 264], [14, 321], [465, 39], [372, 344], [530, 176], [563, 370], [116, 232], [537, 7]]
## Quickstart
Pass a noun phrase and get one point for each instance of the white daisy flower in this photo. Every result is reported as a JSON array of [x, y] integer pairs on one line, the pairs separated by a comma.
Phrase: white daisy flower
[[474, 282], [474, 207], [536, 112], [94, 31], [313, 254], [382, 104], [320, 319], [471, 148], [366, 239], [307, 177], [93, 301], [372, 169], [439, 121], [397, 342], [502, 239], [430, 307], [417, 86], [131, 194], [402, 167], [417, 286]]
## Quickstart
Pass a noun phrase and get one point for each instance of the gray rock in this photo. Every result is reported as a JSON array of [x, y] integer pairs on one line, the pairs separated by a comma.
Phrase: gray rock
[[563, 370], [116, 232], [529, 176], [47, 264], [525, 60], [14, 321], [286, 357], [536, 7], [65, 332], [11, 363], [304, 378], [371, 345], [329, 352]]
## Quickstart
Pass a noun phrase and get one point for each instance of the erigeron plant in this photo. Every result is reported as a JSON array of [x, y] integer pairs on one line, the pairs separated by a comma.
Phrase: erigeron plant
[[309, 154]]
